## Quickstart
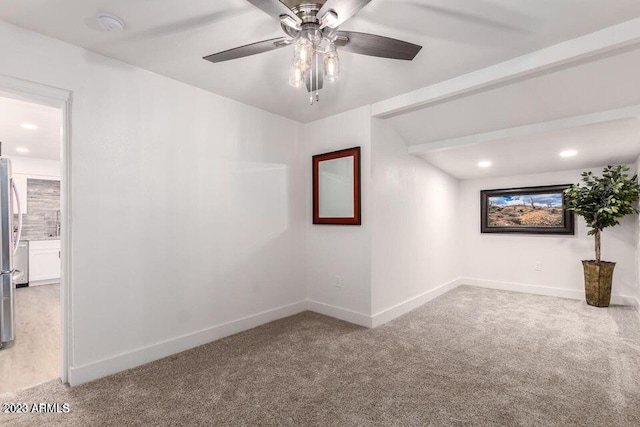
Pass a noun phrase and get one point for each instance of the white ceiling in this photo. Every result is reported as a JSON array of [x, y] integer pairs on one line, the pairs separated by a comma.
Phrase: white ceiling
[[600, 84], [580, 93], [43, 142], [171, 36], [615, 142]]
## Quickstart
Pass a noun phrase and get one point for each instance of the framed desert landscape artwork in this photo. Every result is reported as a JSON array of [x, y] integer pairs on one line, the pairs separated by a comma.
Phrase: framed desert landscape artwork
[[537, 210]]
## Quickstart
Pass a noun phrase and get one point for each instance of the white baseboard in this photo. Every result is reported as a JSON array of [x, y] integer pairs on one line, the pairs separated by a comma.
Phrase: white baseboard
[[89, 372], [340, 313], [405, 307], [623, 300], [44, 282], [541, 290]]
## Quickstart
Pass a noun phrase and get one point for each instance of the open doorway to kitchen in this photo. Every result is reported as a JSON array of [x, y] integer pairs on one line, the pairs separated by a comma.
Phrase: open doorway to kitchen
[[32, 134]]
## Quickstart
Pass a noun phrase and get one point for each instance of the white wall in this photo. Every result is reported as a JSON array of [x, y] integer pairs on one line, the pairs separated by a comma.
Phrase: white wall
[[192, 211], [188, 208], [340, 250], [32, 166], [415, 228], [501, 259], [637, 293]]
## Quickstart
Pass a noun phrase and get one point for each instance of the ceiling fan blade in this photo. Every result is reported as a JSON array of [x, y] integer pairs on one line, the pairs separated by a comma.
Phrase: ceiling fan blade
[[373, 45], [344, 8], [250, 49], [275, 8]]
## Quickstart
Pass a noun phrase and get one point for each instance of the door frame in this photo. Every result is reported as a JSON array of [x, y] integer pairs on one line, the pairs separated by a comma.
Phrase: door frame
[[60, 98]]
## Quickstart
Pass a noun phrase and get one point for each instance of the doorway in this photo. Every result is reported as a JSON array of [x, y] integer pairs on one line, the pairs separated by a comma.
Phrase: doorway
[[34, 137]]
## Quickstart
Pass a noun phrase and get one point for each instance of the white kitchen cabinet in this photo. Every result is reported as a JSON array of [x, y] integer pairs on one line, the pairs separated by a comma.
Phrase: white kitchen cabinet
[[21, 187], [44, 261]]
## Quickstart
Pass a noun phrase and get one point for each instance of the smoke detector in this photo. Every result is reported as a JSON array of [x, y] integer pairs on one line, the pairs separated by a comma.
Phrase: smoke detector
[[110, 22]]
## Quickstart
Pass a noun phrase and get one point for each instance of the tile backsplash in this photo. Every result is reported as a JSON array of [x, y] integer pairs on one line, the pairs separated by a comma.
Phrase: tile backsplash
[[43, 210]]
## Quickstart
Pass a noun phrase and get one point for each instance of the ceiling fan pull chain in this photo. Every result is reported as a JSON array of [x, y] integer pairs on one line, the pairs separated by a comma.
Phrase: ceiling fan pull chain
[[317, 78], [311, 85]]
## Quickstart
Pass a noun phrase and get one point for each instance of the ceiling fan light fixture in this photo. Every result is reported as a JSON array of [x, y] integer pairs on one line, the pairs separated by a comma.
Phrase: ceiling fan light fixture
[[312, 29], [296, 76], [331, 64], [313, 33], [304, 50]]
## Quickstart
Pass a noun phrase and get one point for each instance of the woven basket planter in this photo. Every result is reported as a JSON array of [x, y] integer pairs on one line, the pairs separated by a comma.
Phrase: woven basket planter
[[598, 278]]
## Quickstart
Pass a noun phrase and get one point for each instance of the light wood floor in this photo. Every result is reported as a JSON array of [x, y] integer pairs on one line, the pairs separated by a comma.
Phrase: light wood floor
[[34, 356]]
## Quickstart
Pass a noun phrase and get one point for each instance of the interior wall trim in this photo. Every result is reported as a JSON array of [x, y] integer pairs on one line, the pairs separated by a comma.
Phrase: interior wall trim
[[411, 304], [95, 370], [340, 313], [589, 46], [34, 92], [543, 290], [131, 359], [29, 91], [529, 129]]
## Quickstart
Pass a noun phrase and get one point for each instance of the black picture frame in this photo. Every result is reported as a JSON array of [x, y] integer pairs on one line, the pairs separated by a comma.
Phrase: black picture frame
[[568, 218], [356, 219]]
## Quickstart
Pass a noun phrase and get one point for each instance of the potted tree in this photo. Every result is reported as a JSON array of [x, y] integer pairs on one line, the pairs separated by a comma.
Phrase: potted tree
[[602, 201]]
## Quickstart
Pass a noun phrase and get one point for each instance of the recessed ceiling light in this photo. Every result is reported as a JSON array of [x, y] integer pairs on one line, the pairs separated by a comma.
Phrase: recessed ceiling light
[[29, 126], [22, 150], [568, 153], [484, 164]]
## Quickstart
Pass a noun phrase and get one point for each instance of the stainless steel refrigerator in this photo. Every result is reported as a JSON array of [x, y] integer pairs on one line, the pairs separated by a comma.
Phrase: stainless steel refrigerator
[[9, 238]]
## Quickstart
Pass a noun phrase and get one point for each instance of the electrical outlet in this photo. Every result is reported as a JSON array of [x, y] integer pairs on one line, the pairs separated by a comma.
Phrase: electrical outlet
[[538, 266], [338, 282]]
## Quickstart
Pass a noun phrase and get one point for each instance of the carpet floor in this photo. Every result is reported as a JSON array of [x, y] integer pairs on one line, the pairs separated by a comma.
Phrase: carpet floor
[[471, 357]]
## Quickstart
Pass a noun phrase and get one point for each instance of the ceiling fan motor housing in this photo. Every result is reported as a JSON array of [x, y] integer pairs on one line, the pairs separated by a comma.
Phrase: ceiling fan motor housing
[[310, 27], [307, 11]]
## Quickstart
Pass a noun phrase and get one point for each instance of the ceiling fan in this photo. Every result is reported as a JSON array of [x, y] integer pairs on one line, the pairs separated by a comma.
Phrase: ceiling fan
[[311, 26]]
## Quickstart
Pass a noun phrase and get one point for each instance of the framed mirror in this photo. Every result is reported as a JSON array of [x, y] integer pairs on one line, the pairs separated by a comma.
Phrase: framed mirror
[[336, 187]]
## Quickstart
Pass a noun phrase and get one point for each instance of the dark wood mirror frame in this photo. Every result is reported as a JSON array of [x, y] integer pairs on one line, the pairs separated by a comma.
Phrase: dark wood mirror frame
[[317, 159]]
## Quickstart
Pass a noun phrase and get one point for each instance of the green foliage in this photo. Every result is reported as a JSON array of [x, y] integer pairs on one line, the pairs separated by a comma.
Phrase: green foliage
[[602, 201]]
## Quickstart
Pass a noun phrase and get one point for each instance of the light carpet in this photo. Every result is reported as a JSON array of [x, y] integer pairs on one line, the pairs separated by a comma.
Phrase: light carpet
[[471, 357], [34, 356]]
